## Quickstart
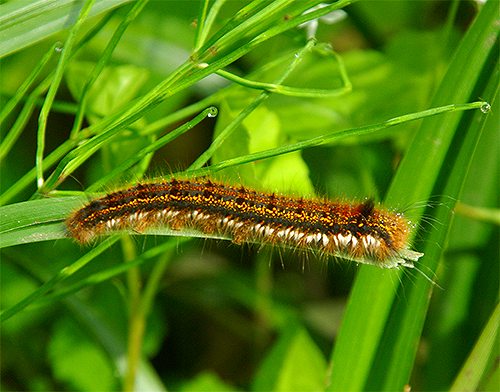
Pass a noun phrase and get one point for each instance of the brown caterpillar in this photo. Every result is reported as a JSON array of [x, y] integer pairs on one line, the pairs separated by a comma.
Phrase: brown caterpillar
[[359, 232]]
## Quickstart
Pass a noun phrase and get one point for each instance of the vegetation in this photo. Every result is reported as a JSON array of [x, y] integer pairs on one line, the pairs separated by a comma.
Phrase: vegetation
[[390, 100]]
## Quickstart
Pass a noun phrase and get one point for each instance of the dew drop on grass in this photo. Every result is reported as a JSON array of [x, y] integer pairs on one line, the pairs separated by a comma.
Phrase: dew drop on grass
[[213, 112], [485, 107]]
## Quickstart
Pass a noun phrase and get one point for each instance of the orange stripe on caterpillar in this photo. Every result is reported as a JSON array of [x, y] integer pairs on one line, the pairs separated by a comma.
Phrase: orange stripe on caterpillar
[[359, 232]]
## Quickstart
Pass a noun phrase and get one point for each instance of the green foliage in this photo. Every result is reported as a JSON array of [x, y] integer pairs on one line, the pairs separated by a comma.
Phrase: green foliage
[[100, 94], [294, 364]]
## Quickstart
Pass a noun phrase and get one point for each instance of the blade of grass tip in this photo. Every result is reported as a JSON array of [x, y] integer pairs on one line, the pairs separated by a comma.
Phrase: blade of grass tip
[[470, 375], [180, 114], [61, 276], [331, 138], [200, 33], [61, 66], [414, 181], [28, 178], [204, 29], [103, 61]]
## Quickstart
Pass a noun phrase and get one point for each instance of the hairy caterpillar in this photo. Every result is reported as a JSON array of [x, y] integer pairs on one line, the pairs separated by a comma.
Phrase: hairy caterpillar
[[359, 232]]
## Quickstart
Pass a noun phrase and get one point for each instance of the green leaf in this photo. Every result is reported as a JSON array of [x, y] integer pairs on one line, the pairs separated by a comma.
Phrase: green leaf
[[115, 86], [294, 364], [71, 348]]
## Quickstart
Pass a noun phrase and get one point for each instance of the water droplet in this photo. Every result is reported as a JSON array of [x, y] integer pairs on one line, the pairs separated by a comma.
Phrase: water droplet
[[485, 107], [59, 47], [212, 112]]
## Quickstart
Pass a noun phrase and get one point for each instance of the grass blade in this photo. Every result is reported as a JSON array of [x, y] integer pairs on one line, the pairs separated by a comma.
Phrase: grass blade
[[371, 300]]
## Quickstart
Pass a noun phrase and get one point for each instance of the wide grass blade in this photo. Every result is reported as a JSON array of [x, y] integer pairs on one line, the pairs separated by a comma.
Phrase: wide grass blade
[[17, 19]]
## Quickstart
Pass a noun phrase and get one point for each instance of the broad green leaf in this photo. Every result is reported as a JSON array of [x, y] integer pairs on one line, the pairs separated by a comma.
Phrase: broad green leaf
[[116, 86], [70, 348], [294, 364]]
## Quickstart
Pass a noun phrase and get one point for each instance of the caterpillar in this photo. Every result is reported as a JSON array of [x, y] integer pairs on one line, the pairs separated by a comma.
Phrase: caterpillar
[[360, 232]]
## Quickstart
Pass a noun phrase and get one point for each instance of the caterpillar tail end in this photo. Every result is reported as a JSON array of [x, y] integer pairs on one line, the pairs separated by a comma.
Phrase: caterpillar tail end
[[407, 257]]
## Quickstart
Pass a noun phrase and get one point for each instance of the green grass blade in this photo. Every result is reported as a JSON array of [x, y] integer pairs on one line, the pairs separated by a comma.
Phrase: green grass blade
[[23, 89], [473, 370], [27, 214], [365, 322], [54, 86], [279, 88], [333, 137], [23, 117], [184, 76], [103, 61], [209, 112], [18, 20], [409, 314]]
